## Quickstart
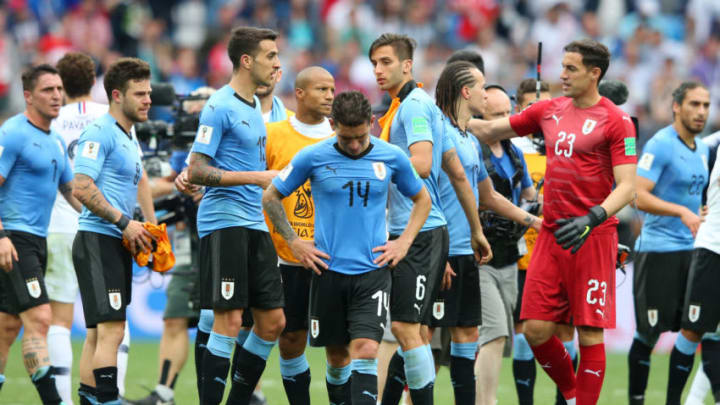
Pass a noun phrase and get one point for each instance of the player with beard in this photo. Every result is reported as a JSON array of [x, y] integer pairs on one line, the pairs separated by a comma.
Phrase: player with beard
[[108, 172], [228, 157], [671, 175], [77, 72], [590, 176], [273, 110], [33, 166]]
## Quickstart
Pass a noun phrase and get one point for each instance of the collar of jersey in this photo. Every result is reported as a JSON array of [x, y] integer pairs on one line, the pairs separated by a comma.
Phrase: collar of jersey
[[406, 89], [37, 127], [123, 130], [363, 154], [693, 149], [239, 97]]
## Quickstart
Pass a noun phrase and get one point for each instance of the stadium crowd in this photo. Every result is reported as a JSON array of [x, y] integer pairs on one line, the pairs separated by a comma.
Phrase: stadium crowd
[[653, 42], [466, 207]]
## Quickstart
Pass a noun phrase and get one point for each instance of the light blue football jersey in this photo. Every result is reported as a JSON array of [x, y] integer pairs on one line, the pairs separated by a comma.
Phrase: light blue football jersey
[[112, 158], [232, 133], [350, 195], [34, 163], [679, 174], [417, 119]]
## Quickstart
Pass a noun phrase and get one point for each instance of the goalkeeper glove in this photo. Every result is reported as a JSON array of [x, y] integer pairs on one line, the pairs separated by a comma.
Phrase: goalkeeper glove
[[573, 231]]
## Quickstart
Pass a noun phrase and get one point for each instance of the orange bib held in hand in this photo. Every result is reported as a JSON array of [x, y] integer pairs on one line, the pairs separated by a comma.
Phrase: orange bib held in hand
[[163, 258]]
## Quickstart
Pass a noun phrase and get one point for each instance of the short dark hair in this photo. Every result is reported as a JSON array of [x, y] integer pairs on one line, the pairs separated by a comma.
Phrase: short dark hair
[[403, 45], [246, 41], [594, 54], [528, 86], [77, 72], [122, 71], [680, 92], [453, 78], [351, 108], [469, 56], [31, 75]]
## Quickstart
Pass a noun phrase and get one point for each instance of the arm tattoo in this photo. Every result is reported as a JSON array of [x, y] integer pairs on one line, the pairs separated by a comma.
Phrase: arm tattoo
[[529, 219], [277, 215], [202, 173], [91, 197], [451, 156]]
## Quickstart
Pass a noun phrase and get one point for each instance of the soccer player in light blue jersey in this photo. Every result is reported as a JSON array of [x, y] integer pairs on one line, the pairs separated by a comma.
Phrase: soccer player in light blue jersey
[[415, 124], [351, 254], [110, 181], [460, 94], [238, 264], [33, 166], [671, 176]]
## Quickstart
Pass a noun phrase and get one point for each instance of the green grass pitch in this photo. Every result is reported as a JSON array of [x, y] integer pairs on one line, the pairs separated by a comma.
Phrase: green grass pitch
[[142, 371]]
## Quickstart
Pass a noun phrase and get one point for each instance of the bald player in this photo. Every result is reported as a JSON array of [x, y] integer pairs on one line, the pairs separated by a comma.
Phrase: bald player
[[314, 93], [506, 168]]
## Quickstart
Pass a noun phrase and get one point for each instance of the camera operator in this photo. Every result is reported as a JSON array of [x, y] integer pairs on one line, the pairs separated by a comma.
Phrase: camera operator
[[182, 310]]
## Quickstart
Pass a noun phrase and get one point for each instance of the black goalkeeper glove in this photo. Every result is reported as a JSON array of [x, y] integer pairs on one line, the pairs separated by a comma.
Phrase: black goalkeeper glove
[[573, 231]]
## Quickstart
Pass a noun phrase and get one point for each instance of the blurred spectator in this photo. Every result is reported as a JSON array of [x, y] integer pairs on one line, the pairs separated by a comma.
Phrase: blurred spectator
[[87, 27], [554, 28], [189, 22], [652, 41], [186, 73]]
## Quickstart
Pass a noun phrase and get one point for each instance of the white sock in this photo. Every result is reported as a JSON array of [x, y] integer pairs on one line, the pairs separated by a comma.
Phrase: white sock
[[699, 389], [570, 401], [165, 392], [60, 351], [122, 360]]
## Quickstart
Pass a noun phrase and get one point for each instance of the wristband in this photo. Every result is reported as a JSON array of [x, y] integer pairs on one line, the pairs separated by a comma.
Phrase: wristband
[[597, 215], [123, 222], [3, 234]]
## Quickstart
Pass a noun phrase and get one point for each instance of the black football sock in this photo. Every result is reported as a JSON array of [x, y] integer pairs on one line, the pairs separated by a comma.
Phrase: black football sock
[[106, 389], [638, 371], [524, 373], [251, 359], [363, 388], [86, 394], [296, 379], [337, 380], [462, 373], [215, 366], [201, 340], [681, 363], [45, 385], [395, 381]]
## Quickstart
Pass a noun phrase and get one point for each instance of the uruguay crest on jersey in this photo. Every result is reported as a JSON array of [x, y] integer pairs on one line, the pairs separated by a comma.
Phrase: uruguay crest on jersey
[[380, 170], [588, 126]]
